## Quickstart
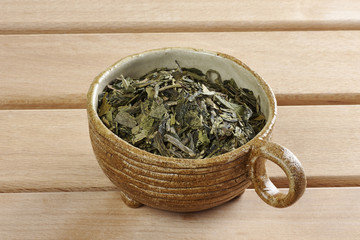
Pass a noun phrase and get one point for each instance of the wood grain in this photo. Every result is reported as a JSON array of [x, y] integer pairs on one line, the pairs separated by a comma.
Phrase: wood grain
[[55, 71], [90, 16], [49, 150], [328, 213], [325, 139]]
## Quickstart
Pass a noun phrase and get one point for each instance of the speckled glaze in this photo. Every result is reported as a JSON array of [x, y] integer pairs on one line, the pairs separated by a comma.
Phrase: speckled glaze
[[186, 185]]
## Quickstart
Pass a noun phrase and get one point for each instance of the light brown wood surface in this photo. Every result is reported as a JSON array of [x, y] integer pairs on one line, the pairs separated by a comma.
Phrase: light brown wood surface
[[55, 71], [86, 16], [51, 186], [49, 150], [326, 213]]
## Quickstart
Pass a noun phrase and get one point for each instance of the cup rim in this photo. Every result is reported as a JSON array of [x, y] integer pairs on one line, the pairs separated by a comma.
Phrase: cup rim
[[189, 162]]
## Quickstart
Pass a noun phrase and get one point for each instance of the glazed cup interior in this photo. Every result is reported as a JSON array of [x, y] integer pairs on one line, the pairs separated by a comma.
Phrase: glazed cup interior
[[228, 67]]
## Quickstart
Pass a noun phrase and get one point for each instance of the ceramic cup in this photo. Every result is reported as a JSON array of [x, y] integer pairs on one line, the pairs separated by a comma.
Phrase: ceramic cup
[[186, 185]]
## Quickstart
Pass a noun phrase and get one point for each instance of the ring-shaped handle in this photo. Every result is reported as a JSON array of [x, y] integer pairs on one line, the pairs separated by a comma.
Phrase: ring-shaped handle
[[288, 162]]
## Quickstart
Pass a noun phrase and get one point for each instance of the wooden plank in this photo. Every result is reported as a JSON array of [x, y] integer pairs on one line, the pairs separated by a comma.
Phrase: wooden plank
[[89, 16], [325, 139], [49, 150], [325, 213], [55, 71]]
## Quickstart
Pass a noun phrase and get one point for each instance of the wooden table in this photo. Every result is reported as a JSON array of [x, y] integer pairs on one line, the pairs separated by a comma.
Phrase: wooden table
[[51, 185]]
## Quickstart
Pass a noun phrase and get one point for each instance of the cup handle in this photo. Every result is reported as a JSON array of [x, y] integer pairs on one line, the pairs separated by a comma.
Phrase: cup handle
[[264, 150]]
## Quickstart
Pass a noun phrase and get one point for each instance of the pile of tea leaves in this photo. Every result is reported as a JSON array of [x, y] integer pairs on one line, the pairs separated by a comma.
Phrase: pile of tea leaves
[[181, 112]]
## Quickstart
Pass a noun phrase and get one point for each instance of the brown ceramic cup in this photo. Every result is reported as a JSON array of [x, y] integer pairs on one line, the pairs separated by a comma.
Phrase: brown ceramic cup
[[186, 185]]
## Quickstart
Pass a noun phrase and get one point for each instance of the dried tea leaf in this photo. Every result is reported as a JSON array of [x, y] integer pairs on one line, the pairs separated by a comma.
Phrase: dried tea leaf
[[193, 119], [179, 145], [203, 138], [233, 106], [104, 107], [142, 134], [214, 77], [158, 111], [172, 119], [146, 122], [106, 122], [150, 92], [181, 112], [159, 144], [206, 91], [125, 119]]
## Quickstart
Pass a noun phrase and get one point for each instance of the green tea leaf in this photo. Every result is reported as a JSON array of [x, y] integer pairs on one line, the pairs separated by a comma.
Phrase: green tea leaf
[[159, 144], [105, 106], [158, 111], [181, 112], [203, 138], [125, 119], [179, 145]]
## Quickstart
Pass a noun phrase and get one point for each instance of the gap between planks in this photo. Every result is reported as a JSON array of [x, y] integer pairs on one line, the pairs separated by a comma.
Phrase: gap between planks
[[280, 182], [165, 27], [79, 102], [322, 213], [55, 71], [50, 150], [86, 16]]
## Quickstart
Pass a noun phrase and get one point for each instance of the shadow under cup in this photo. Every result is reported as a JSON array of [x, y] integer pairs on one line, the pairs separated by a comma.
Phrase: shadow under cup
[[186, 185]]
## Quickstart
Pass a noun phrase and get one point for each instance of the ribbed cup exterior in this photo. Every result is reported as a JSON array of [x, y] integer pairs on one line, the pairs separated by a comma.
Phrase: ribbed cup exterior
[[182, 185], [175, 187]]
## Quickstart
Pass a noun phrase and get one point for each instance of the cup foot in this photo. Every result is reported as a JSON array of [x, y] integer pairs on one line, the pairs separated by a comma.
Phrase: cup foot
[[129, 201]]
